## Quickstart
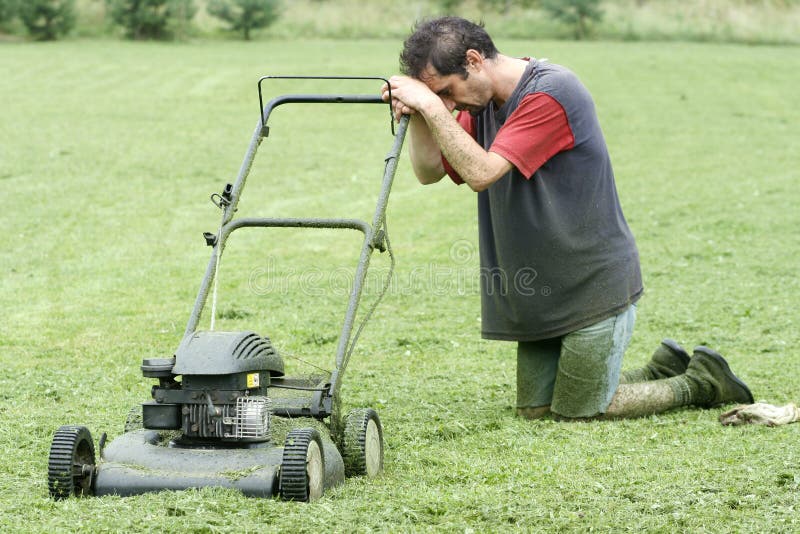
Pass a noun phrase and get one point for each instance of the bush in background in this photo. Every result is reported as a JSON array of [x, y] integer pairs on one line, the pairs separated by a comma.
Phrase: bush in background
[[497, 6], [245, 15], [737, 21], [47, 20], [181, 13], [579, 15], [449, 6], [150, 19], [141, 19], [8, 10]]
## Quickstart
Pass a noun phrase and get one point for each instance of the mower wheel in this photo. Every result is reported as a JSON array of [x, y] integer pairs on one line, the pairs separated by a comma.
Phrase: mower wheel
[[70, 467], [363, 443], [134, 420], [302, 475]]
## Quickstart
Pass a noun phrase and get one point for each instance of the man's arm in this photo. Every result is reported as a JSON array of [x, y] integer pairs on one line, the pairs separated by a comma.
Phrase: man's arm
[[477, 167], [426, 158]]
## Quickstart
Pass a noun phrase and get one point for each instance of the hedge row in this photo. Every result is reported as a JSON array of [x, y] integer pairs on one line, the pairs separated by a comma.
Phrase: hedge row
[[140, 19]]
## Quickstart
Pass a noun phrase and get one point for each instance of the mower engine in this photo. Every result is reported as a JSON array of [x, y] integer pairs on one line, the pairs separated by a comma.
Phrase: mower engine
[[222, 394]]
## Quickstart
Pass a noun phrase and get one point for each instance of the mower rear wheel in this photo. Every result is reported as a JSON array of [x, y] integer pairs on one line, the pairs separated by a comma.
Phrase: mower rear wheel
[[302, 476], [70, 467], [363, 443]]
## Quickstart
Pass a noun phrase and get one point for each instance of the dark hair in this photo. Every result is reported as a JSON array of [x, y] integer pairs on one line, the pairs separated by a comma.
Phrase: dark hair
[[443, 43]]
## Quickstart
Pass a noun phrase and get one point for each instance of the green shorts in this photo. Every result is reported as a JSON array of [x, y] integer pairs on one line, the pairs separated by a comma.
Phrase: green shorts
[[577, 374]]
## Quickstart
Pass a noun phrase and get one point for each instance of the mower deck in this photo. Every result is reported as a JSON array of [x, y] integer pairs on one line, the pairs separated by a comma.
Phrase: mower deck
[[142, 461]]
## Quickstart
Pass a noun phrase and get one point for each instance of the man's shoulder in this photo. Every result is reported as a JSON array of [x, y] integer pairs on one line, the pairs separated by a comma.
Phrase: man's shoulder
[[550, 76], [560, 83]]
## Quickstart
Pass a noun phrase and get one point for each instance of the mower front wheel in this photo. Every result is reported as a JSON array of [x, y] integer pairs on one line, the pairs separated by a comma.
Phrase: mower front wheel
[[302, 475], [71, 465], [362, 443]]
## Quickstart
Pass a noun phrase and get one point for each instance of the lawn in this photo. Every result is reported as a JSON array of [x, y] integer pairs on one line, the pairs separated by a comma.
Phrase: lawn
[[108, 154]]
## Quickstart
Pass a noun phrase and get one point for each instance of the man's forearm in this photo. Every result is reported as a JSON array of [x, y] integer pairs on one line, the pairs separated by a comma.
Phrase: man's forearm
[[426, 158], [477, 167]]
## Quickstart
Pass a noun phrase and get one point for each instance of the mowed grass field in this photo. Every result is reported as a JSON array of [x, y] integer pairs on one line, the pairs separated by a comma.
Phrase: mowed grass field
[[110, 150]]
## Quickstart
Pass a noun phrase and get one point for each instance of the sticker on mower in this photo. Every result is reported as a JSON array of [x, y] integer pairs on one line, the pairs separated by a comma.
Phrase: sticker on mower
[[253, 380]]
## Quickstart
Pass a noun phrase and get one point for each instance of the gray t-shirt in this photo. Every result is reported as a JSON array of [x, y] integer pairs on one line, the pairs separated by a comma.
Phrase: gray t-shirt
[[556, 252]]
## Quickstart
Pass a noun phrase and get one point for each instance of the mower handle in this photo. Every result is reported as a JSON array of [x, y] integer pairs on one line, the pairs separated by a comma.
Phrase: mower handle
[[325, 98]]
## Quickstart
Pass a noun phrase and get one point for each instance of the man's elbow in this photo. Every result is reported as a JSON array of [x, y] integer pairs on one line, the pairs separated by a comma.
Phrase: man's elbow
[[478, 187], [427, 178], [479, 184], [482, 180]]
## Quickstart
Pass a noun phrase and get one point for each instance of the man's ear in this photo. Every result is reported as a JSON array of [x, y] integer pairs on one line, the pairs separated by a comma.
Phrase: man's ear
[[474, 59]]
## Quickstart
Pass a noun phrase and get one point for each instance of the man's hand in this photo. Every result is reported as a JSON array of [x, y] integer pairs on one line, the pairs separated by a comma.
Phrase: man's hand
[[436, 133], [408, 95]]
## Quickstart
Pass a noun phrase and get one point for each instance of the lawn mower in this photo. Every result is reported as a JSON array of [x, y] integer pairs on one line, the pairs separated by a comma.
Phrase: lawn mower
[[211, 416]]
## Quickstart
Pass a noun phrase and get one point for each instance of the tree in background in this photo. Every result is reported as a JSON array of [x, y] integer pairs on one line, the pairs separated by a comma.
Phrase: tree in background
[[579, 14], [449, 6], [8, 10], [47, 20], [499, 6], [150, 19], [181, 13], [245, 15]]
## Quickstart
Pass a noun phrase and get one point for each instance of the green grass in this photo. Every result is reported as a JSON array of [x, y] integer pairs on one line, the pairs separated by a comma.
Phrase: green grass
[[109, 151]]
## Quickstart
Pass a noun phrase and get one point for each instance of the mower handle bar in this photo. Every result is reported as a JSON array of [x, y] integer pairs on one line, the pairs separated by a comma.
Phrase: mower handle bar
[[374, 233], [316, 98]]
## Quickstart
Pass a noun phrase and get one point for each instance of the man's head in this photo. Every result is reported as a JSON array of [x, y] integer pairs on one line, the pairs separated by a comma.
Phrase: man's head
[[443, 44]]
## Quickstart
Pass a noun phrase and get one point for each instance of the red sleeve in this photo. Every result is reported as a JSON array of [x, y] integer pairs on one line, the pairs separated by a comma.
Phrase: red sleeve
[[468, 123], [534, 132]]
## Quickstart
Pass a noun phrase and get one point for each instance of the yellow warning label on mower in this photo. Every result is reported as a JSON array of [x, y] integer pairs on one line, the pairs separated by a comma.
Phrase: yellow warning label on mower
[[253, 380]]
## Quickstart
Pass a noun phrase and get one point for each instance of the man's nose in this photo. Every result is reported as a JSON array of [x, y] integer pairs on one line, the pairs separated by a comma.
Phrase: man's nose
[[449, 104]]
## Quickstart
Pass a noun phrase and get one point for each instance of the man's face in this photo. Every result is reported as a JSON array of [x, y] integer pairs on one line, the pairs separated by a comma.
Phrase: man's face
[[471, 94]]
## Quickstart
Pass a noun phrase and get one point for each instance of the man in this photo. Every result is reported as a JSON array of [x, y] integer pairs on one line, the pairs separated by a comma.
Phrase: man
[[559, 265]]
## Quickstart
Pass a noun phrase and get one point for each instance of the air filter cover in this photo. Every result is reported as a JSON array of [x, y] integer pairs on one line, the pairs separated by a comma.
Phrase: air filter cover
[[224, 353]]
